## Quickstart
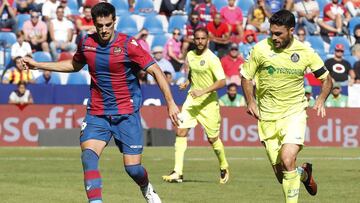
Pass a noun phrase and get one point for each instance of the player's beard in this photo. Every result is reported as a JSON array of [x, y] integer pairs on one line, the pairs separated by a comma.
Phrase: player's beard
[[199, 50], [286, 42], [231, 97]]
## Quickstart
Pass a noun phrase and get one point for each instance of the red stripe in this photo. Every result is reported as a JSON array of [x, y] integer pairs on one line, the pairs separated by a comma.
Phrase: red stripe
[[118, 77], [94, 174], [95, 193], [145, 179]]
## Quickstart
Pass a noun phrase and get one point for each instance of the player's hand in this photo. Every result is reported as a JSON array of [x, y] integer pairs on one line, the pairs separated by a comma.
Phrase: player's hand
[[173, 113], [320, 108], [184, 85], [28, 63], [196, 93], [253, 110]]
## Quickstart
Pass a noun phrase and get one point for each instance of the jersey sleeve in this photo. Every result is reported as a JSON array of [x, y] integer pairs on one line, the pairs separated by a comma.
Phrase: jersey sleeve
[[138, 55], [79, 55], [217, 69], [316, 65], [251, 64]]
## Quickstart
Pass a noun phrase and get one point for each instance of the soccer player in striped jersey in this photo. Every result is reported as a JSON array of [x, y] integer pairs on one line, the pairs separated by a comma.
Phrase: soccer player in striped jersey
[[277, 65], [115, 99]]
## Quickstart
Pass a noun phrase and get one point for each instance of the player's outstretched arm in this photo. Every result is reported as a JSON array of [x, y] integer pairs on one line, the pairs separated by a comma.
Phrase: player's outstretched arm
[[159, 76], [62, 66], [326, 87], [248, 90]]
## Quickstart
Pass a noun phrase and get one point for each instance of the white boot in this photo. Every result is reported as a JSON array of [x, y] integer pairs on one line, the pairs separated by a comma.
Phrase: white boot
[[150, 195]]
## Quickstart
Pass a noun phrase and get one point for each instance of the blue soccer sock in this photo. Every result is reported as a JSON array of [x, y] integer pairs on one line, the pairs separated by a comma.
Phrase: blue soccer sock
[[92, 178], [138, 174]]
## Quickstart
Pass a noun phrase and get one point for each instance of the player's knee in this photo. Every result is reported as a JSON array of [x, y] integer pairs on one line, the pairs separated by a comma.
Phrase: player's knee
[[212, 140], [288, 162], [134, 170], [181, 132], [89, 159]]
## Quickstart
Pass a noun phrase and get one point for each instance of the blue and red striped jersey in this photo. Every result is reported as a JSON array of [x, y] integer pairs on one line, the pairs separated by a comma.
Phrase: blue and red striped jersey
[[113, 68]]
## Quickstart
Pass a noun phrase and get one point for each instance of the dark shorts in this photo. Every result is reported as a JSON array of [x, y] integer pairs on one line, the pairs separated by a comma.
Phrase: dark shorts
[[126, 129]]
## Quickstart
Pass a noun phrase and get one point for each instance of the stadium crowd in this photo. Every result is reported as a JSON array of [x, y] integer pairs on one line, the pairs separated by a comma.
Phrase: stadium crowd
[[48, 30]]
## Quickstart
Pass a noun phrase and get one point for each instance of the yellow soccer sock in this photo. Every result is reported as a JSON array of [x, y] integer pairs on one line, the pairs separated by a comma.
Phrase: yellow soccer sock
[[291, 186], [180, 148], [220, 153]]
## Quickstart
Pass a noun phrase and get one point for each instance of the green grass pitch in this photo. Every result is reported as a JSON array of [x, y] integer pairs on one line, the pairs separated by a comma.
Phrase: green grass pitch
[[54, 175]]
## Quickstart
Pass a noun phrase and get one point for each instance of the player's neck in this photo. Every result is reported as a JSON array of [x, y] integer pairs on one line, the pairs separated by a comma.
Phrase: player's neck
[[199, 52], [104, 43]]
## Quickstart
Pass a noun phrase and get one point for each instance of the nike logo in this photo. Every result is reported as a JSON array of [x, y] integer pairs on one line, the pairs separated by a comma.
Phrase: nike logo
[[88, 187]]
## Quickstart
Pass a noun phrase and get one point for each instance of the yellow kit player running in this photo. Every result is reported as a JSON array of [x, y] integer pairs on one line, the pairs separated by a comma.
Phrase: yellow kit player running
[[277, 65], [206, 75]]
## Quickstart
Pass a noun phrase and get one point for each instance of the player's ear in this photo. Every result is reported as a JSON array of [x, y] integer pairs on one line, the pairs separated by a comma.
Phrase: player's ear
[[291, 30]]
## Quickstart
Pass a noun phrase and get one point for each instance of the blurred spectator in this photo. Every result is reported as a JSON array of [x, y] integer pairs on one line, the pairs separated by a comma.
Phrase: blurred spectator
[[131, 5], [232, 98], [277, 5], [8, 15], [192, 24], [308, 13], [193, 4], [164, 64], [339, 68], [172, 51], [141, 39], [169, 6], [309, 97], [47, 77], [169, 77], [206, 11], [310, 78], [336, 99], [84, 24], [356, 38], [258, 16], [20, 48], [219, 35], [17, 74], [49, 10], [233, 16], [61, 33], [353, 6], [232, 64], [248, 42], [301, 36], [35, 32], [142, 75], [336, 18], [67, 11], [356, 53], [24, 6], [21, 95]]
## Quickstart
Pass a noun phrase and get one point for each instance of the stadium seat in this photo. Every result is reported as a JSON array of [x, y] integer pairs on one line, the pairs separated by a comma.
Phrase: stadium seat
[[6, 61], [127, 25], [21, 18], [322, 4], [144, 7], [261, 36], [73, 6], [153, 25], [7, 39], [352, 24], [177, 21], [121, 6], [339, 40], [76, 78], [316, 43], [351, 59], [245, 5], [159, 40], [219, 4], [42, 56]]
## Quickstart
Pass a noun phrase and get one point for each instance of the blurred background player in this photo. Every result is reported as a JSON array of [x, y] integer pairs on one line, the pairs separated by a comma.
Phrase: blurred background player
[[336, 99], [113, 110], [21, 95], [205, 76], [280, 97], [232, 98]]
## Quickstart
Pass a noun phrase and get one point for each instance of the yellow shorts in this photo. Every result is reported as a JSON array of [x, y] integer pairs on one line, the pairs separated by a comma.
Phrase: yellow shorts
[[207, 114], [274, 134]]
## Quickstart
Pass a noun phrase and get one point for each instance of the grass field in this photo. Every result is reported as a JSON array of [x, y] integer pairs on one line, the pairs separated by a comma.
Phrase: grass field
[[54, 175]]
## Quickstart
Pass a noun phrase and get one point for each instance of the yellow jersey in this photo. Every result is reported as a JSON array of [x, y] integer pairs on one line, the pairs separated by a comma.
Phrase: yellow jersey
[[279, 77], [205, 70]]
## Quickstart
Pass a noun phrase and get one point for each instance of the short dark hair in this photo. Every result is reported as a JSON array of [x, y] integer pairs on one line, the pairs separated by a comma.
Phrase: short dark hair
[[87, 7], [60, 7], [283, 17], [21, 82], [167, 73], [102, 9], [201, 29], [232, 85]]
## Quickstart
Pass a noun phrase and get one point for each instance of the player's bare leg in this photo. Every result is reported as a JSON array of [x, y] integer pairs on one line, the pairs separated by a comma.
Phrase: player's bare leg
[[91, 151], [218, 148], [138, 173], [176, 176]]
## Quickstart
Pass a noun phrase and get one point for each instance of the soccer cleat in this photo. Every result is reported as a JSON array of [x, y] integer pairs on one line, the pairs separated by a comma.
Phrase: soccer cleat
[[224, 175], [173, 177], [309, 183], [150, 195]]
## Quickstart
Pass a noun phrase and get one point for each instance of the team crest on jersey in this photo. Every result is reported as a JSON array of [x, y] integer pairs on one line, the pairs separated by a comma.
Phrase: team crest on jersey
[[117, 50], [202, 62], [295, 57]]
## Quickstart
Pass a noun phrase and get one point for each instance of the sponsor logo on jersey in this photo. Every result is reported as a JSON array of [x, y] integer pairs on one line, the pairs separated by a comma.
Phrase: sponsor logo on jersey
[[90, 48]]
